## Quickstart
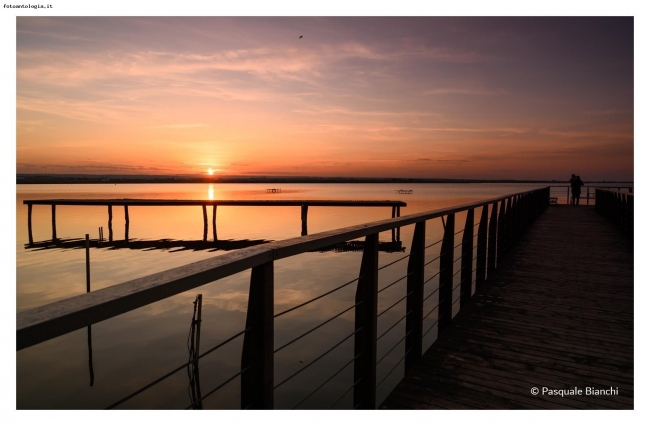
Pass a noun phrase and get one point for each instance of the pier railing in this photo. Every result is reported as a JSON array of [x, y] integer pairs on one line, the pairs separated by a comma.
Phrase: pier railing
[[587, 195], [501, 221], [618, 208]]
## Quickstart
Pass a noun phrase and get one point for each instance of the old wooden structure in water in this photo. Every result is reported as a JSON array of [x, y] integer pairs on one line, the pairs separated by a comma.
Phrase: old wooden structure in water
[[126, 203]]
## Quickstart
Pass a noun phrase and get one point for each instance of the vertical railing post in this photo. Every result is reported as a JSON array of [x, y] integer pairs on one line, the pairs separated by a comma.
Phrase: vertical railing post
[[446, 275], [481, 247], [492, 240], [415, 297], [257, 354], [365, 324], [467, 249], [29, 223], [501, 238], [508, 225]]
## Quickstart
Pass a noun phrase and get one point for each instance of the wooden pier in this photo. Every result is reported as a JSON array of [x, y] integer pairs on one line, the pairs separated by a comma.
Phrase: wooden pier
[[545, 302], [128, 202], [558, 313]]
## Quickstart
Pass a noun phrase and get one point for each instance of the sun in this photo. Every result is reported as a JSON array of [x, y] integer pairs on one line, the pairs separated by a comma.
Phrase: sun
[[210, 172]]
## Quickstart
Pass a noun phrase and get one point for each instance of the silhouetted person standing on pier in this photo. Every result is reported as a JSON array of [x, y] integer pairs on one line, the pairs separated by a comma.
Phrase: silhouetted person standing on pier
[[576, 184]]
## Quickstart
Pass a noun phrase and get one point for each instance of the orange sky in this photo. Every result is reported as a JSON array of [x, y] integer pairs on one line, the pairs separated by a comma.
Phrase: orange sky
[[511, 98]]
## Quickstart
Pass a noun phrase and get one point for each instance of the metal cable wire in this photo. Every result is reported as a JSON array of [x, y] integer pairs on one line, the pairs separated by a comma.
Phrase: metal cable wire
[[311, 363], [434, 291], [459, 296], [438, 273], [393, 369], [315, 328], [327, 381], [394, 325], [439, 241], [456, 272], [393, 262], [345, 393], [391, 349], [434, 308], [395, 282], [176, 370], [316, 298], [459, 232], [219, 387], [432, 260], [430, 328], [457, 259], [393, 305]]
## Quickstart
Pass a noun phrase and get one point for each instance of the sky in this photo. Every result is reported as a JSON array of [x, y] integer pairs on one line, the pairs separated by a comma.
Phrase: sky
[[422, 97]]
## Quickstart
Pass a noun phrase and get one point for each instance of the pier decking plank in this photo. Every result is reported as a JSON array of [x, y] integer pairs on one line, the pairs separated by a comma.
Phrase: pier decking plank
[[557, 313]]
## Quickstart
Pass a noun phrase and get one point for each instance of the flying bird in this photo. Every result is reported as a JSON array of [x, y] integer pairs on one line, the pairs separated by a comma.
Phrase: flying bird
[[300, 37]]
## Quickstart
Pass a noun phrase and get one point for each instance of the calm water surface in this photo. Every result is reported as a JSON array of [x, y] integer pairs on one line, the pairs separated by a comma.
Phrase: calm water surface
[[135, 348]]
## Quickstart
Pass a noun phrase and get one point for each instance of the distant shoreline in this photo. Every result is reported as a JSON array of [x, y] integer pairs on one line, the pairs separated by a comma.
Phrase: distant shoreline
[[114, 179]]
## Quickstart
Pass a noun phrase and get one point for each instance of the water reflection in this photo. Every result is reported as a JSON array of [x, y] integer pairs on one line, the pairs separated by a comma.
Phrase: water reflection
[[172, 246], [139, 347]]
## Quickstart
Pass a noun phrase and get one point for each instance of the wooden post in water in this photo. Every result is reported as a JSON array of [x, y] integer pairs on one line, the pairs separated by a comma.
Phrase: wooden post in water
[[53, 222], [303, 219], [87, 263], [415, 297], [29, 223], [110, 222], [257, 354], [481, 247], [196, 389], [467, 259], [214, 222], [446, 275], [365, 325], [398, 228], [205, 223], [126, 223]]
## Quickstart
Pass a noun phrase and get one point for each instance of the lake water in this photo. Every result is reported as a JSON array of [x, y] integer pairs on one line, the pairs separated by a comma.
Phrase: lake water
[[134, 349]]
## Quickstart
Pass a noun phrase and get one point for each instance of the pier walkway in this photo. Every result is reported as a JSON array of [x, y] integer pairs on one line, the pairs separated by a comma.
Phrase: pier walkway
[[557, 313]]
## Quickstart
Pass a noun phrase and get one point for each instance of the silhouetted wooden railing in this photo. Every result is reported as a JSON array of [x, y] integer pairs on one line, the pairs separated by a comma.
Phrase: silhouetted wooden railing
[[618, 208], [587, 195], [501, 221]]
